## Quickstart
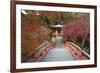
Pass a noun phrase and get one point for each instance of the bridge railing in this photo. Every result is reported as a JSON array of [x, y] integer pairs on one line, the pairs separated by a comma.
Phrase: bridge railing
[[39, 53], [76, 51]]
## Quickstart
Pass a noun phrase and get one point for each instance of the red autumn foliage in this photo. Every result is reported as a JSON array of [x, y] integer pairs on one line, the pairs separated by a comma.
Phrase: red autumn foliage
[[33, 33], [76, 30]]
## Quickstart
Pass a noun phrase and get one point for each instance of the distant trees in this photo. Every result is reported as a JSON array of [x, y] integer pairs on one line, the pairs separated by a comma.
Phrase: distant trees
[[34, 31], [54, 18], [78, 31]]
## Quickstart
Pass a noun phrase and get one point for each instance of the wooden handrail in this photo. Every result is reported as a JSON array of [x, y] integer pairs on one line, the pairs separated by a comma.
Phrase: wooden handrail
[[74, 45], [87, 55], [38, 48], [83, 53], [38, 54]]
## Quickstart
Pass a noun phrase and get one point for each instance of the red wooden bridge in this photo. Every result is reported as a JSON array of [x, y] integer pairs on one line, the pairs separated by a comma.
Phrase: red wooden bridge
[[48, 52]]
